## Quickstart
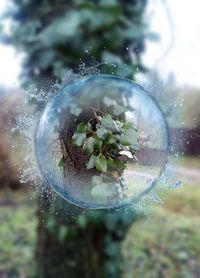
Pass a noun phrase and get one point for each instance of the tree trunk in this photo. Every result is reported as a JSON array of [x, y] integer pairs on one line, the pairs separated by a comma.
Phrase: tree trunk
[[73, 242]]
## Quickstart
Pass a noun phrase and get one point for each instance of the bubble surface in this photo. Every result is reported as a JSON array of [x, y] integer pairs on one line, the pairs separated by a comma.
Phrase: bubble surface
[[73, 181]]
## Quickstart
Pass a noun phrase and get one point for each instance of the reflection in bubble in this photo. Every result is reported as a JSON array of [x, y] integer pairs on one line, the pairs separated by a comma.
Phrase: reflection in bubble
[[77, 102]]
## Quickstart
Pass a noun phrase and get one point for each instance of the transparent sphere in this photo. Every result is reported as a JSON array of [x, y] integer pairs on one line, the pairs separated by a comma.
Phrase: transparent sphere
[[101, 142]]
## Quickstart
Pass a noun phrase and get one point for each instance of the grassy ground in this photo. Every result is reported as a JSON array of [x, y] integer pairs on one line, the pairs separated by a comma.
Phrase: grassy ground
[[187, 161], [17, 235], [166, 243]]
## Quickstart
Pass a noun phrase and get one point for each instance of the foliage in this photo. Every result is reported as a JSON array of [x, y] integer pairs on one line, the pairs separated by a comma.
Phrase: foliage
[[104, 137], [58, 35]]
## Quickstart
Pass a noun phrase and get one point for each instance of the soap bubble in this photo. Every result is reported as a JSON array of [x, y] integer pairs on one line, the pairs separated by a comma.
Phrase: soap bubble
[[63, 164]]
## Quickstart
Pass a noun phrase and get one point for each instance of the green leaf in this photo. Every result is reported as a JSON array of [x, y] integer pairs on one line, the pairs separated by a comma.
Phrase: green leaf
[[51, 224], [88, 146], [111, 164], [120, 165], [105, 135], [61, 163], [97, 143], [92, 162], [129, 137], [109, 138], [127, 126], [45, 58], [63, 232], [82, 127], [109, 3], [107, 122], [89, 127], [118, 110], [101, 133], [61, 29], [82, 221], [101, 163], [112, 249], [78, 138]]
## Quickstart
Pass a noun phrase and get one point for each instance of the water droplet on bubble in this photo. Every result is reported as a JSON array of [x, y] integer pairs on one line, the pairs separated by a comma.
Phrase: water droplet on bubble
[[177, 185]]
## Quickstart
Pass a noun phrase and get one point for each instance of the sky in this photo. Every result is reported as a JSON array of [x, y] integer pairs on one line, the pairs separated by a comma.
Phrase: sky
[[10, 63], [177, 22]]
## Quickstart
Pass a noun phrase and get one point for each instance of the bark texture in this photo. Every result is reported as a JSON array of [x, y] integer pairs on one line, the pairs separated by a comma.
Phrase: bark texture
[[78, 243]]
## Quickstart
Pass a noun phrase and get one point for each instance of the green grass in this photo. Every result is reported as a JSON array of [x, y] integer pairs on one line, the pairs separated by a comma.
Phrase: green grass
[[187, 161], [17, 238], [164, 243], [167, 243]]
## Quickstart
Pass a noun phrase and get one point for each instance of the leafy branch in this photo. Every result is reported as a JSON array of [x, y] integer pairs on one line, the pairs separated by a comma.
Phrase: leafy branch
[[106, 138]]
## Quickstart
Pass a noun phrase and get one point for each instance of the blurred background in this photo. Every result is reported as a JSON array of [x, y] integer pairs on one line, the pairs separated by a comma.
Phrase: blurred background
[[157, 44]]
